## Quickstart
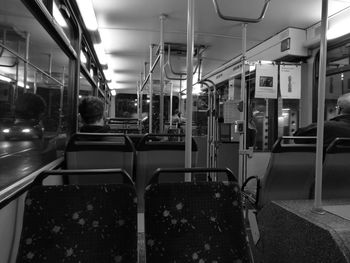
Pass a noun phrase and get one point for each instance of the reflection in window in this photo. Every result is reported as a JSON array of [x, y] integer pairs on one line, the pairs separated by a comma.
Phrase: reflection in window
[[33, 94], [85, 87]]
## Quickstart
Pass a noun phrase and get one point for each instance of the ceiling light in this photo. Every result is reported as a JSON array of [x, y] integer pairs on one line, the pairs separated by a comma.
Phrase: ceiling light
[[100, 51], [108, 74], [21, 84], [113, 92], [6, 79], [338, 29], [58, 16], [87, 12], [196, 90], [82, 57], [112, 85]]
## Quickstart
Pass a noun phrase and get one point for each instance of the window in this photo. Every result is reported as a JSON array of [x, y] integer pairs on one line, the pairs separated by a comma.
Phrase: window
[[34, 67]]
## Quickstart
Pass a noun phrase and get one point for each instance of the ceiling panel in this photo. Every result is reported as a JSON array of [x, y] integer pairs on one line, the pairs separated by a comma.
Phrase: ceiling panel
[[128, 27]]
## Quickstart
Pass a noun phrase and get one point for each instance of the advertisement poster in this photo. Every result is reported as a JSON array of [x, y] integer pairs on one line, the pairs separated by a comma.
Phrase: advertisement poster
[[290, 81], [266, 81]]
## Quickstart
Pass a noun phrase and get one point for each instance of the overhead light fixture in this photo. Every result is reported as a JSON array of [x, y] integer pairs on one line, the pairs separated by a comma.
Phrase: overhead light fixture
[[196, 90], [108, 74], [113, 92], [87, 12], [6, 79], [82, 57], [58, 16], [100, 51], [21, 84], [265, 62], [338, 29]]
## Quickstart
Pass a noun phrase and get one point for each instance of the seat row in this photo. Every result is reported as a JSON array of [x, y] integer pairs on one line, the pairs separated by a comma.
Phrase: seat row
[[184, 222], [139, 155], [291, 171]]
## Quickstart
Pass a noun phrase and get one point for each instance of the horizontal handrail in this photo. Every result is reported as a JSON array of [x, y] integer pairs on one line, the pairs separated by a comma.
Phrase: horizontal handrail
[[37, 177], [83, 172], [156, 174], [242, 19]]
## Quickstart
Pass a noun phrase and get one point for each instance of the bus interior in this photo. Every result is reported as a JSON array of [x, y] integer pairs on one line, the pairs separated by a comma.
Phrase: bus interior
[[202, 100]]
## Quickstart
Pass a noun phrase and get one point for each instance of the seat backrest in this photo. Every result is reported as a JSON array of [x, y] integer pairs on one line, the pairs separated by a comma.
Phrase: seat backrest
[[85, 223], [94, 151], [153, 154], [194, 222], [336, 170], [290, 173]]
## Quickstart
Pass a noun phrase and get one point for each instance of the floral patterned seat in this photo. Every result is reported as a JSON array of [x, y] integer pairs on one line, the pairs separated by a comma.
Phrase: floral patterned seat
[[71, 223], [195, 222]]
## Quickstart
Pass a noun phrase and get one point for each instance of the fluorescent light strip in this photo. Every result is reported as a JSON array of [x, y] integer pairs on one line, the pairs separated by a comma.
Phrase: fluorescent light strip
[[87, 12], [6, 79], [21, 84], [82, 58], [58, 16], [100, 51]]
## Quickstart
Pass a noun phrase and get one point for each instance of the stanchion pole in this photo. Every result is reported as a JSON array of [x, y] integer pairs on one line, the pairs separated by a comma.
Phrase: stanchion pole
[[320, 112], [190, 47]]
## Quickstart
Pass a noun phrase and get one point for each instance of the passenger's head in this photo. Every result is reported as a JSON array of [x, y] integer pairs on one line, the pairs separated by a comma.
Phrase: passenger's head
[[343, 104], [29, 106], [91, 110]]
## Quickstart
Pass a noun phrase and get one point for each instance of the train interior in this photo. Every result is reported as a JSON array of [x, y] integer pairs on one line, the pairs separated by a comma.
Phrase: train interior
[[200, 163]]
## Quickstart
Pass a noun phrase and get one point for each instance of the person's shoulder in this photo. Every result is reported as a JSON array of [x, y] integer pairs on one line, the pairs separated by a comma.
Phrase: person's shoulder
[[307, 130]]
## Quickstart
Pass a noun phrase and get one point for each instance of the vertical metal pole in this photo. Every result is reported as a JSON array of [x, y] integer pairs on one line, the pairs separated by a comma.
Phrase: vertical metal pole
[[25, 80], [35, 80], [161, 64], [171, 105], [150, 117], [215, 130], [60, 117], [140, 100], [242, 139], [320, 111], [190, 40], [50, 64], [180, 96]]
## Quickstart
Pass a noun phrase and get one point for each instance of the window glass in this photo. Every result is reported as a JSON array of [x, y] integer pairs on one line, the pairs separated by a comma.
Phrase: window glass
[[33, 94], [85, 87], [337, 78]]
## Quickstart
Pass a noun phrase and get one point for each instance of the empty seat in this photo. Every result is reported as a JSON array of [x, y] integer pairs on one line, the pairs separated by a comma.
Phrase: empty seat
[[290, 172], [94, 151], [154, 152], [194, 222], [336, 170], [79, 223]]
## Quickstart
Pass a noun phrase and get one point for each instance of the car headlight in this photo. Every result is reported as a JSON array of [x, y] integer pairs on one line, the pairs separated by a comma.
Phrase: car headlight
[[26, 130], [6, 130]]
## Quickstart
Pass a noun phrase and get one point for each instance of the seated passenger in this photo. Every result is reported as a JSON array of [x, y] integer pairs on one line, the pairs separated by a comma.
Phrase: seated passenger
[[338, 126], [91, 110]]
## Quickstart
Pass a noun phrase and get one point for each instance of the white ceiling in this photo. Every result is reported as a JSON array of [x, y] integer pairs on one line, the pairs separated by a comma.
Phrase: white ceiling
[[129, 27]]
